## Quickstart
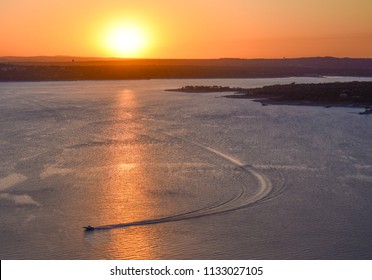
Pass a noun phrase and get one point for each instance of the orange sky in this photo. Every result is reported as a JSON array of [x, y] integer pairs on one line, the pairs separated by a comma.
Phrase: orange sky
[[189, 29]]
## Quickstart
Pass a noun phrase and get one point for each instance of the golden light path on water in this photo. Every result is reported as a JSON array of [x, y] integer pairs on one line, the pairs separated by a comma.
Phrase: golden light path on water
[[124, 196]]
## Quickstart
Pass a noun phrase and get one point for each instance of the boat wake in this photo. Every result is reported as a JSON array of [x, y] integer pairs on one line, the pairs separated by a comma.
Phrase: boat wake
[[242, 198]]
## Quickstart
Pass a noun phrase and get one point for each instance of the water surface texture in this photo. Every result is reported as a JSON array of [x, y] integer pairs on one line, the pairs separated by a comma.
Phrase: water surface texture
[[170, 175]]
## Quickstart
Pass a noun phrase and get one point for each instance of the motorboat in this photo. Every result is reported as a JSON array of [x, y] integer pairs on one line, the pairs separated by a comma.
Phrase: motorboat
[[89, 228]]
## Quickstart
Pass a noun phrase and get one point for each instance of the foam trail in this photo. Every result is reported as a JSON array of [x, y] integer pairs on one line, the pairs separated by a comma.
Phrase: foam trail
[[242, 199], [229, 158]]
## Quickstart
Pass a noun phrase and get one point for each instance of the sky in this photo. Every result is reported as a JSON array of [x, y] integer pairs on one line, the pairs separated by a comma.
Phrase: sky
[[186, 29]]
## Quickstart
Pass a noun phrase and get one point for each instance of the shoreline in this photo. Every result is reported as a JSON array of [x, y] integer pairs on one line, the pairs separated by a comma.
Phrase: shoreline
[[337, 94], [267, 101], [71, 69]]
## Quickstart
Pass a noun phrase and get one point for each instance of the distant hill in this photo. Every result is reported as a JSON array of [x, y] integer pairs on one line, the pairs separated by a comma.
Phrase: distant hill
[[62, 68]]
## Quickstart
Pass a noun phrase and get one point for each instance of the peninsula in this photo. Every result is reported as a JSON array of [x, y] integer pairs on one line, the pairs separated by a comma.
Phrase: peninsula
[[354, 94]]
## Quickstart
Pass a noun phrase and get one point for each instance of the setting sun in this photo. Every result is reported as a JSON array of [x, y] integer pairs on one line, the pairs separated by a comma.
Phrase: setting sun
[[186, 29], [126, 40]]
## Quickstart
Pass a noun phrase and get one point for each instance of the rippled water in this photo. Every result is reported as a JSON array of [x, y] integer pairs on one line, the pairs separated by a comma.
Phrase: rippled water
[[169, 175]]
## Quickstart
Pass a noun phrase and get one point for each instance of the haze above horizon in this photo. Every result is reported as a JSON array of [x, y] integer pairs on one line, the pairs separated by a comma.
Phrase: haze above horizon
[[192, 29]]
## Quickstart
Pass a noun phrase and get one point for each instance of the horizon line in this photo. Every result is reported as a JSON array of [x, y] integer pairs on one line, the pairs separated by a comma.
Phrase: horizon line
[[72, 57]]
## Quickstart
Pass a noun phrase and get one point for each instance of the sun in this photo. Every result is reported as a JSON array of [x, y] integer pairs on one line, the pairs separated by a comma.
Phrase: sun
[[126, 40]]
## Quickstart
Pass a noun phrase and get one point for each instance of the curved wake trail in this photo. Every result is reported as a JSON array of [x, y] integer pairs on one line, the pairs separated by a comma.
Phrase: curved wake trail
[[242, 198]]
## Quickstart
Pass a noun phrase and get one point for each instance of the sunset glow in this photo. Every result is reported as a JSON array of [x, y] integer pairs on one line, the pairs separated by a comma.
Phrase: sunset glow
[[126, 41], [186, 29]]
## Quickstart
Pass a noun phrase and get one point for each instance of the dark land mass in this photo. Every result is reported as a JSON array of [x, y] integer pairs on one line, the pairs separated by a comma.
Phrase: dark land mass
[[356, 94], [62, 68]]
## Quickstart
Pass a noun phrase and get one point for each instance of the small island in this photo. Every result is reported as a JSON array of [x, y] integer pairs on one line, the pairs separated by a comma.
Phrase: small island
[[200, 89], [350, 94]]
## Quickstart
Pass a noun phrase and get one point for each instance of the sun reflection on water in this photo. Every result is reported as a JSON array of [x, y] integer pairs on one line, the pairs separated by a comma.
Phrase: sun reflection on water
[[124, 194]]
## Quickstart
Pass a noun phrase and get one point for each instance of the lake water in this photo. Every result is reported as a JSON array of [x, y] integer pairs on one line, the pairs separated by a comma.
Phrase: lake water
[[170, 175]]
